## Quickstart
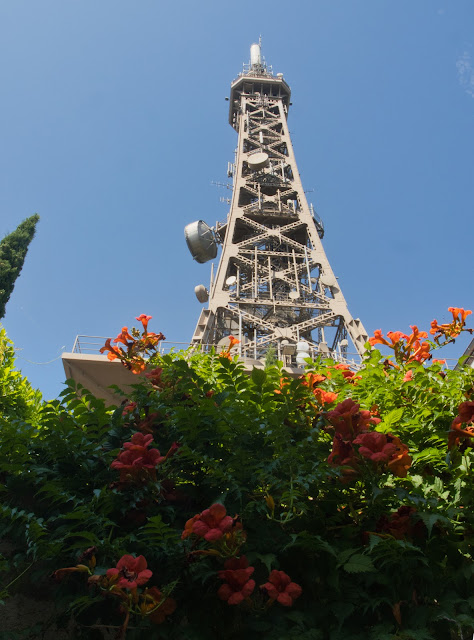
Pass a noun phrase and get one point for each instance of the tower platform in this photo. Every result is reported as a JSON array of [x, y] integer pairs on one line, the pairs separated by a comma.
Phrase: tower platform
[[94, 371]]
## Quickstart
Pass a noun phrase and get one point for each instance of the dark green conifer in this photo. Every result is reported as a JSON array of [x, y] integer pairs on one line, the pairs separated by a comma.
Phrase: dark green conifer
[[13, 250]]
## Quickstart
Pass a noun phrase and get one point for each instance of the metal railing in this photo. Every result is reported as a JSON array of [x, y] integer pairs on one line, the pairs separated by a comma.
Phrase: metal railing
[[91, 345]]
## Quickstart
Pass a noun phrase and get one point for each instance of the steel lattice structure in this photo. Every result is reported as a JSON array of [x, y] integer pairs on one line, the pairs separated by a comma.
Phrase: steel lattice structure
[[274, 283]]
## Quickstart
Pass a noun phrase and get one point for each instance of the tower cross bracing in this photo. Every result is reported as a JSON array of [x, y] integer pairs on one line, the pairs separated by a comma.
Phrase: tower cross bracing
[[273, 284]]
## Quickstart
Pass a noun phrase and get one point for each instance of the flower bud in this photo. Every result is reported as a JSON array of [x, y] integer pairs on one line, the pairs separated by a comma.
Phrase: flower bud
[[270, 502]]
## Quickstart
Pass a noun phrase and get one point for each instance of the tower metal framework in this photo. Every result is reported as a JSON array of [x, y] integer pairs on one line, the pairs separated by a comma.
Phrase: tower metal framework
[[273, 284]]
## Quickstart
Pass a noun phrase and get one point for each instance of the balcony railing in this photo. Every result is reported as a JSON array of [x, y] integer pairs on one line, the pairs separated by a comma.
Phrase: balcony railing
[[91, 345]]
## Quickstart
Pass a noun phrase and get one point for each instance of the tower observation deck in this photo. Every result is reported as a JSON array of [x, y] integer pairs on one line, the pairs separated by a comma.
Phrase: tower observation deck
[[273, 285]]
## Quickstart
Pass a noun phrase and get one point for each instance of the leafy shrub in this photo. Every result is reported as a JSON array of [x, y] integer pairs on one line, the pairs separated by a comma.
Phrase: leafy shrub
[[218, 504]]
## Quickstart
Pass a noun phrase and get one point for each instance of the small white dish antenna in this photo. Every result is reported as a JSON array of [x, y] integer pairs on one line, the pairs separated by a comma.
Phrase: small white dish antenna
[[231, 280], [258, 160], [293, 295], [202, 294], [328, 281], [303, 346]]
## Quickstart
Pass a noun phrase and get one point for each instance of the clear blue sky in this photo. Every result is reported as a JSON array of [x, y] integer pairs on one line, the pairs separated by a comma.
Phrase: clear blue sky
[[114, 124]]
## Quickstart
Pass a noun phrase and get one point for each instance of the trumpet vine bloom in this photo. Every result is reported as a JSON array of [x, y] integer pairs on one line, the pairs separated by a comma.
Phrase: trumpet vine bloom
[[225, 353], [406, 348], [349, 421], [401, 524], [124, 337], [136, 345], [138, 462], [211, 524], [238, 584], [155, 605], [131, 572], [114, 352], [144, 319], [280, 588], [451, 330], [465, 416], [324, 397], [343, 455], [375, 446], [385, 449]]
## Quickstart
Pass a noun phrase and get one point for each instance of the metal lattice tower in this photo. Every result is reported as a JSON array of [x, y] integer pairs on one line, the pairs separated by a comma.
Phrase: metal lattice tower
[[274, 284]]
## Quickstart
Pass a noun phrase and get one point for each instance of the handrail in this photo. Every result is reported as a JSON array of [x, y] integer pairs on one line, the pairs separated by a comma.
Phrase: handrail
[[91, 345]]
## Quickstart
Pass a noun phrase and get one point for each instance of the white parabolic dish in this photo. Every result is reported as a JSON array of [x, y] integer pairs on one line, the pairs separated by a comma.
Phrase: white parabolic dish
[[258, 160], [200, 240]]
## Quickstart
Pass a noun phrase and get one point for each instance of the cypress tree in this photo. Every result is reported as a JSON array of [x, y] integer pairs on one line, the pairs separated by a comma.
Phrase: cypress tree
[[13, 250]]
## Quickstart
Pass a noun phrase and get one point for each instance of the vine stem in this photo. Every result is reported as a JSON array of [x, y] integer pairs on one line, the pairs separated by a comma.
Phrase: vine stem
[[18, 577], [105, 626]]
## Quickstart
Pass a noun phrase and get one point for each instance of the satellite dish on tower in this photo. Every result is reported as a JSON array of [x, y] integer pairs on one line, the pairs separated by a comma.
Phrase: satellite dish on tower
[[258, 160], [202, 294], [328, 280], [302, 346], [231, 280], [201, 241]]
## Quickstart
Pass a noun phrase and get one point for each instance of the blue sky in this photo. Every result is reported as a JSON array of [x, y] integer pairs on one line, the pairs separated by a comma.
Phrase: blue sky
[[114, 124]]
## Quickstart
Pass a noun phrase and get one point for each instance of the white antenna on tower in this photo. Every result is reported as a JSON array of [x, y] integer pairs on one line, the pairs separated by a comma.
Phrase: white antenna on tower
[[255, 57]]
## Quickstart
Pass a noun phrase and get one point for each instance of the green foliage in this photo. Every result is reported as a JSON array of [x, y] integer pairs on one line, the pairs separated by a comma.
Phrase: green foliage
[[270, 356], [18, 400], [258, 444], [13, 250]]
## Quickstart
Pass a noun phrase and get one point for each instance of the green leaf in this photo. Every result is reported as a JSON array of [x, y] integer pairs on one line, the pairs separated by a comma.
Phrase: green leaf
[[157, 531], [84, 535], [374, 541], [342, 610], [430, 519], [359, 564], [268, 559], [298, 617], [258, 376], [393, 416], [345, 555]]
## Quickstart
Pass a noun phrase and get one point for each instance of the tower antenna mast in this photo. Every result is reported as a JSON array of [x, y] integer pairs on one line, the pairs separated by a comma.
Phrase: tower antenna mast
[[274, 285]]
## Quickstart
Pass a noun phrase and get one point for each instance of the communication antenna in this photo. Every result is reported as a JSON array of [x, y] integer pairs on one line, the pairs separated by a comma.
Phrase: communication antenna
[[201, 241], [226, 185], [273, 284]]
